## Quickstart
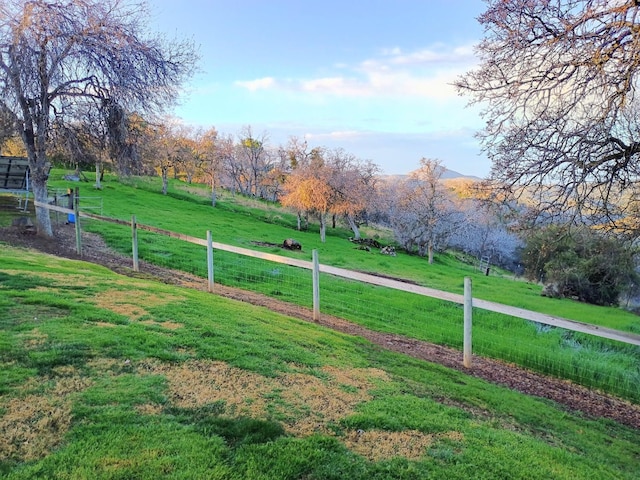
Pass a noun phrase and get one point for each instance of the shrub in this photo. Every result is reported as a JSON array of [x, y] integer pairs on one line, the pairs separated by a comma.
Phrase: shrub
[[579, 263]]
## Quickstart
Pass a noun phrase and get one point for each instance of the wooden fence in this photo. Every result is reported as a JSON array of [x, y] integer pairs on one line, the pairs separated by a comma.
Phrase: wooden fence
[[466, 300]]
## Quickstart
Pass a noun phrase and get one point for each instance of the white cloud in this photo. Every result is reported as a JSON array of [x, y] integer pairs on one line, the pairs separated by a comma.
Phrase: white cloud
[[265, 83], [337, 135], [425, 73], [438, 54]]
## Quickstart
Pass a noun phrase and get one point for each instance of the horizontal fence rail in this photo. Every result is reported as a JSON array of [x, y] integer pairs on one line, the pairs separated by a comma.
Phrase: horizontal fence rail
[[572, 325], [488, 342]]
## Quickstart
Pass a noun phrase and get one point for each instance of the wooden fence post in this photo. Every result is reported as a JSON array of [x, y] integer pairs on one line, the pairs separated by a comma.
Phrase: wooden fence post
[[468, 310], [210, 260], [316, 286], [134, 243], [76, 214]]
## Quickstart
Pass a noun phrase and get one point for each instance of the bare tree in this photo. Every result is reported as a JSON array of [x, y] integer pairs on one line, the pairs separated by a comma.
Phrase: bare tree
[[353, 183], [233, 169], [55, 54], [558, 81], [84, 142], [422, 213], [255, 158], [485, 234]]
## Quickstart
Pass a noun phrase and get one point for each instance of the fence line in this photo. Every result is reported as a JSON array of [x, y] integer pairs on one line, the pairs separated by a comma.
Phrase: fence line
[[237, 271], [572, 325]]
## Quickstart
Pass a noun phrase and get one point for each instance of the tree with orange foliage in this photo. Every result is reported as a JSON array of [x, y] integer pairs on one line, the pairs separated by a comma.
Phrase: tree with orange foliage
[[330, 182], [307, 189]]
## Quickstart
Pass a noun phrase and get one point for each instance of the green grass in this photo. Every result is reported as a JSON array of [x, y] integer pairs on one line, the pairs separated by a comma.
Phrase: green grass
[[109, 377], [595, 363], [239, 221]]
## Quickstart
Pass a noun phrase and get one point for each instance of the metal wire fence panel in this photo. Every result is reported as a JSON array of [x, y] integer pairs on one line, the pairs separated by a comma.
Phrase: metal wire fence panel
[[285, 282], [595, 357], [594, 362], [172, 253], [385, 310]]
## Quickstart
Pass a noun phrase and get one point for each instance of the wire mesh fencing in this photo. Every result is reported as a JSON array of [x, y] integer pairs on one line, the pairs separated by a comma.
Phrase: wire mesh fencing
[[595, 357]]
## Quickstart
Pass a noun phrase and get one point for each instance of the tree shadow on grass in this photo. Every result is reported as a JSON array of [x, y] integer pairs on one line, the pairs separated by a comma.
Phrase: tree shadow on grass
[[236, 432]]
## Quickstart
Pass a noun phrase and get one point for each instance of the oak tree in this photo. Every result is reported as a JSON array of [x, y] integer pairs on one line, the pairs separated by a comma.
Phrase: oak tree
[[558, 82], [421, 211], [55, 54]]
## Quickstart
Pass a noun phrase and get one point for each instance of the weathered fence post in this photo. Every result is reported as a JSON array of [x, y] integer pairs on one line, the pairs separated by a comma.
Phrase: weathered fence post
[[134, 243], [210, 260], [76, 214], [468, 309], [316, 286]]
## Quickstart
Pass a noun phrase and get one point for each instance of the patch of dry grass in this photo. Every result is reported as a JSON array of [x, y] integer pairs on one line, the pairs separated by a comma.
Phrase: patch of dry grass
[[34, 339], [32, 424], [167, 325], [36, 420], [131, 303], [377, 445], [307, 403]]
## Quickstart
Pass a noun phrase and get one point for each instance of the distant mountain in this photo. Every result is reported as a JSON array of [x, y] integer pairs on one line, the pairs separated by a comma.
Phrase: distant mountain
[[447, 175]]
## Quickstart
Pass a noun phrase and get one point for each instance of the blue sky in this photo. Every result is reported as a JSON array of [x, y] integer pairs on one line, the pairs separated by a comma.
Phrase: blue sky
[[370, 76]]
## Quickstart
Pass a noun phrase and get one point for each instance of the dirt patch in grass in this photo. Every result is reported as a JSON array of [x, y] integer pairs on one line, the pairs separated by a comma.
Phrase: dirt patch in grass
[[573, 396]]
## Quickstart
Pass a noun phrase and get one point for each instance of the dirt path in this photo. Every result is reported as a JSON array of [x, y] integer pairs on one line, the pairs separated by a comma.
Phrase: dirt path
[[573, 397]]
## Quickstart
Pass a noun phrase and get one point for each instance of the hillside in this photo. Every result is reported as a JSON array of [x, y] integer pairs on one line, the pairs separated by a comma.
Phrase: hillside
[[131, 378], [574, 397]]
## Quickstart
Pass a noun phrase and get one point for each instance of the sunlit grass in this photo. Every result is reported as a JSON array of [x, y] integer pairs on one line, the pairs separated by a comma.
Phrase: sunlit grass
[[240, 221], [136, 379]]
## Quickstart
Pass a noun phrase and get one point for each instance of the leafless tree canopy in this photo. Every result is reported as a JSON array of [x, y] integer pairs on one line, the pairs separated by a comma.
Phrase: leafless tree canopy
[[558, 79], [57, 54]]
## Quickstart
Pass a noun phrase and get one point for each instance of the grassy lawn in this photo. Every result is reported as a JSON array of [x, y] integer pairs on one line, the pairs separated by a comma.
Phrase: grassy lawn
[[239, 221], [106, 377]]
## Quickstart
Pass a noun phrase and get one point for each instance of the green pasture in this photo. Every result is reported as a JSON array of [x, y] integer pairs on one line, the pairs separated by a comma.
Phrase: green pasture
[[109, 377], [236, 220], [239, 221]]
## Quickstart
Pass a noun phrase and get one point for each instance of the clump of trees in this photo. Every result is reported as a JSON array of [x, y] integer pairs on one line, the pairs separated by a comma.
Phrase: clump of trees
[[580, 263], [60, 60], [325, 182]]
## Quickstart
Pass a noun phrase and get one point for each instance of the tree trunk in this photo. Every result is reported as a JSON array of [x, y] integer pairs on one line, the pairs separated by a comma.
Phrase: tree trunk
[[38, 174], [165, 179], [323, 227], [43, 219], [354, 227], [430, 248], [299, 221], [213, 195], [98, 176]]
